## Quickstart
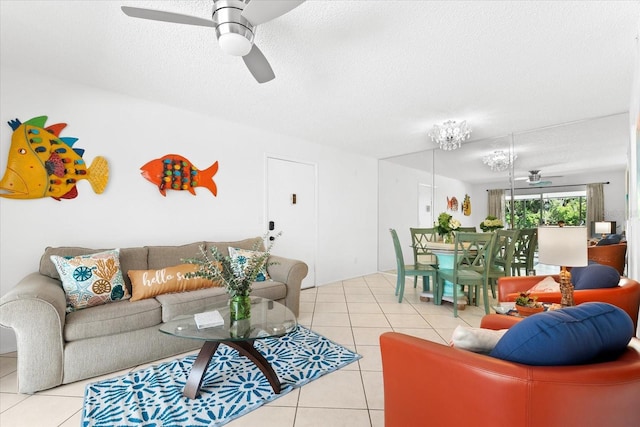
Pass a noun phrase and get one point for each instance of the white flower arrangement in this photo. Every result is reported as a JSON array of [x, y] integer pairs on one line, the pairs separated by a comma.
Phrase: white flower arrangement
[[491, 223]]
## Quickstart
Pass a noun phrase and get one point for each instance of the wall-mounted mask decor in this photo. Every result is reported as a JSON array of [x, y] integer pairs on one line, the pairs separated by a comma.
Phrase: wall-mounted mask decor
[[43, 164], [452, 204], [174, 172]]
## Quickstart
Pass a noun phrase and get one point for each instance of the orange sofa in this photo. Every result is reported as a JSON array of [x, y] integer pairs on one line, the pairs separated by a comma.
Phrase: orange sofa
[[430, 384], [626, 295]]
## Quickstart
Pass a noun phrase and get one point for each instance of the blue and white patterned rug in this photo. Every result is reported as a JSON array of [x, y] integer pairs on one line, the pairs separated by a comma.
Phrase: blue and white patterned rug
[[232, 386]]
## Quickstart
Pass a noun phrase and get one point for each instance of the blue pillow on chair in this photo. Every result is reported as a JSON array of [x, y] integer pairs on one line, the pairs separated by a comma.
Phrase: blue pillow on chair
[[594, 276], [611, 239], [589, 332]]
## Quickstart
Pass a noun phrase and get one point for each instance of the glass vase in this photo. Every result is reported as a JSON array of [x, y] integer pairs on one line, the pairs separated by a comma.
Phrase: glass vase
[[240, 316], [240, 307]]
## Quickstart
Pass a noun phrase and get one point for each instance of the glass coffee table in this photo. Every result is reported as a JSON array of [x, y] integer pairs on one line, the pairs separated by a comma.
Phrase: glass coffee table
[[268, 319]]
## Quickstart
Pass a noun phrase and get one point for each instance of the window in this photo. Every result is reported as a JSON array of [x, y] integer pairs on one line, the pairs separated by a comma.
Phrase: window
[[532, 210]]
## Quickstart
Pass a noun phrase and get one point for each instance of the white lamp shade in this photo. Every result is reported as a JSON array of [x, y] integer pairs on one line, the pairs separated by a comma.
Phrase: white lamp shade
[[603, 227], [564, 246]]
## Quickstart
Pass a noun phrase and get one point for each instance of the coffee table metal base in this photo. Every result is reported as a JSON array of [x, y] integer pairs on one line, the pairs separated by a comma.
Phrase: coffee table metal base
[[245, 348]]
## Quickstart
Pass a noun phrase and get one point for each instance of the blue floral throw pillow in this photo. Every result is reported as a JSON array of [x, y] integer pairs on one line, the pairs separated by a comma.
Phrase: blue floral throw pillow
[[240, 258], [90, 280]]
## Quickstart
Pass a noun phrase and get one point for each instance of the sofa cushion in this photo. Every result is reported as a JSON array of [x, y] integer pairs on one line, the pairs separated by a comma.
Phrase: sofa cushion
[[594, 276], [241, 259], [571, 336], [130, 259], [149, 283], [548, 284], [112, 319], [254, 243], [179, 304], [164, 256], [90, 280]]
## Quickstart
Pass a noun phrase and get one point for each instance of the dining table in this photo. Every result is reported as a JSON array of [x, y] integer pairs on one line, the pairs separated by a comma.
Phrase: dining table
[[446, 256]]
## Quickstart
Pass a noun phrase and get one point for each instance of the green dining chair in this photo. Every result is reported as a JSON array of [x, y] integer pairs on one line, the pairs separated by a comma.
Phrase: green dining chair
[[467, 229], [526, 247], [472, 259], [504, 249], [420, 238], [425, 271]]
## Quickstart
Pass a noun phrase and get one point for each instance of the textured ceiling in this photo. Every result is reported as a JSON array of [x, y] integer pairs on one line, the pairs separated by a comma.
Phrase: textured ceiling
[[367, 76]]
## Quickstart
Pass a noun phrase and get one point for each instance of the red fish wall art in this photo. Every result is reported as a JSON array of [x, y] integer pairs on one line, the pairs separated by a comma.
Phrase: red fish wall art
[[41, 163], [174, 172]]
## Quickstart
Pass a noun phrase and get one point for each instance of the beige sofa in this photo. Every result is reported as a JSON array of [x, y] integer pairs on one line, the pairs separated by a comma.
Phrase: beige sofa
[[55, 347]]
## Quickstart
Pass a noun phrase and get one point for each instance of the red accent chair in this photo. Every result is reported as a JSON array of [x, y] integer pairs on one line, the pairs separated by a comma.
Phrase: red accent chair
[[613, 255], [430, 384], [626, 295]]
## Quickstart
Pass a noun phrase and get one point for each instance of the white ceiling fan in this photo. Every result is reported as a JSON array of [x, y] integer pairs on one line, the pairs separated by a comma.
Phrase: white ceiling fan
[[535, 179], [235, 22]]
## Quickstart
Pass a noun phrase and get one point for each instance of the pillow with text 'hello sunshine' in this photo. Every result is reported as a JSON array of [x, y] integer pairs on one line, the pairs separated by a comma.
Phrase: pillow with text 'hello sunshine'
[[149, 283]]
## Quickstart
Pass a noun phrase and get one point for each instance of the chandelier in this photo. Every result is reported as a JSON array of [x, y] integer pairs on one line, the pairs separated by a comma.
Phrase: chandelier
[[450, 134], [499, 161]]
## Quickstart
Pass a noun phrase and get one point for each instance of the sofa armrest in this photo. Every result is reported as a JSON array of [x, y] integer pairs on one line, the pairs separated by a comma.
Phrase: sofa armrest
[[516, 284], [498, 321], [290, 272], [35, 309]]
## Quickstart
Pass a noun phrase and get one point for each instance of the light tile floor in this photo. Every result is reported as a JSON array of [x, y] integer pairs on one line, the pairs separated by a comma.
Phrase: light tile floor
[[352, 312]]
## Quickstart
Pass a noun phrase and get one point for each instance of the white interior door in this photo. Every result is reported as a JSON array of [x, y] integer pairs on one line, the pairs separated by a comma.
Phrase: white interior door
[[425, 206], [291, 208]]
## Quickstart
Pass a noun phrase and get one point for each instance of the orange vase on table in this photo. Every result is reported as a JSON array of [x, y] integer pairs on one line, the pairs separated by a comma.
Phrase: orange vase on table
[[528, 311]]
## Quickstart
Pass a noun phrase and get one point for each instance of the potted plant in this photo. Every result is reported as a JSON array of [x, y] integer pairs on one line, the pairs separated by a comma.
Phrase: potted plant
[[445, 226], [527, 304], [491, 223], [235, 274]]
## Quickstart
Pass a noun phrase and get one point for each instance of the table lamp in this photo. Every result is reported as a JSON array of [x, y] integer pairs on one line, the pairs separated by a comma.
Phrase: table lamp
[[566, 247], [603, 227]]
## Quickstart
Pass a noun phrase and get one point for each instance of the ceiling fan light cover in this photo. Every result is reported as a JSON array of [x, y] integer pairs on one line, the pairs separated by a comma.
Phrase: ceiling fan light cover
[[234, 44]]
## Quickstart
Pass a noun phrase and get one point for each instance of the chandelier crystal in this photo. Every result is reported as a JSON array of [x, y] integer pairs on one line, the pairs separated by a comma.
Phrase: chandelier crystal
[[450, 134], [499, 161]]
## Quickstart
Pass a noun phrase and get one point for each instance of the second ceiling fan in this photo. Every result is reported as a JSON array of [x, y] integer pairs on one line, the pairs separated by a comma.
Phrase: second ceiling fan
[[535, 179], [235, 22]]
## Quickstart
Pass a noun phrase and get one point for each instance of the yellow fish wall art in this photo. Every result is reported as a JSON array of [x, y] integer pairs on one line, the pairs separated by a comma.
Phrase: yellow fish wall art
[[43, 164], [466, 205]]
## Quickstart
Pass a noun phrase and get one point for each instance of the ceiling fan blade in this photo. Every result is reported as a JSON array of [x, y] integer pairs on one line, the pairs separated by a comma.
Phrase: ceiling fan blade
[[261, 11], [258, 65], [159, 15]]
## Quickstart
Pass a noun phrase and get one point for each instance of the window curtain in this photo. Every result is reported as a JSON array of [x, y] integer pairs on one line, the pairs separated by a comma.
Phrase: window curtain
[[595, 203], [496, 203]]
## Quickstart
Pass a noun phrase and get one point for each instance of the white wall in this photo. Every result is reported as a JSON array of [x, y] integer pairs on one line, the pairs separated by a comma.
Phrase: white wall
[[398, 206], [129, 132]]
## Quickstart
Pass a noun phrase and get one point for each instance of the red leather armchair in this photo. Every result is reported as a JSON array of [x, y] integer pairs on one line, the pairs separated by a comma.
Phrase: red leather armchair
[[430, 384], [626, 295], [612, 255]]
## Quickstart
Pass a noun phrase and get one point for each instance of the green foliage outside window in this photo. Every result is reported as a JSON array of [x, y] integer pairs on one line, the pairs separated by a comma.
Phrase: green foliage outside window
[[532, 212]]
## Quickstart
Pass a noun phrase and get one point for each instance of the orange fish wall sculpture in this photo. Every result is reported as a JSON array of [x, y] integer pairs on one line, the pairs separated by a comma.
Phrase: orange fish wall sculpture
[[174, 172], [43, 164]]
